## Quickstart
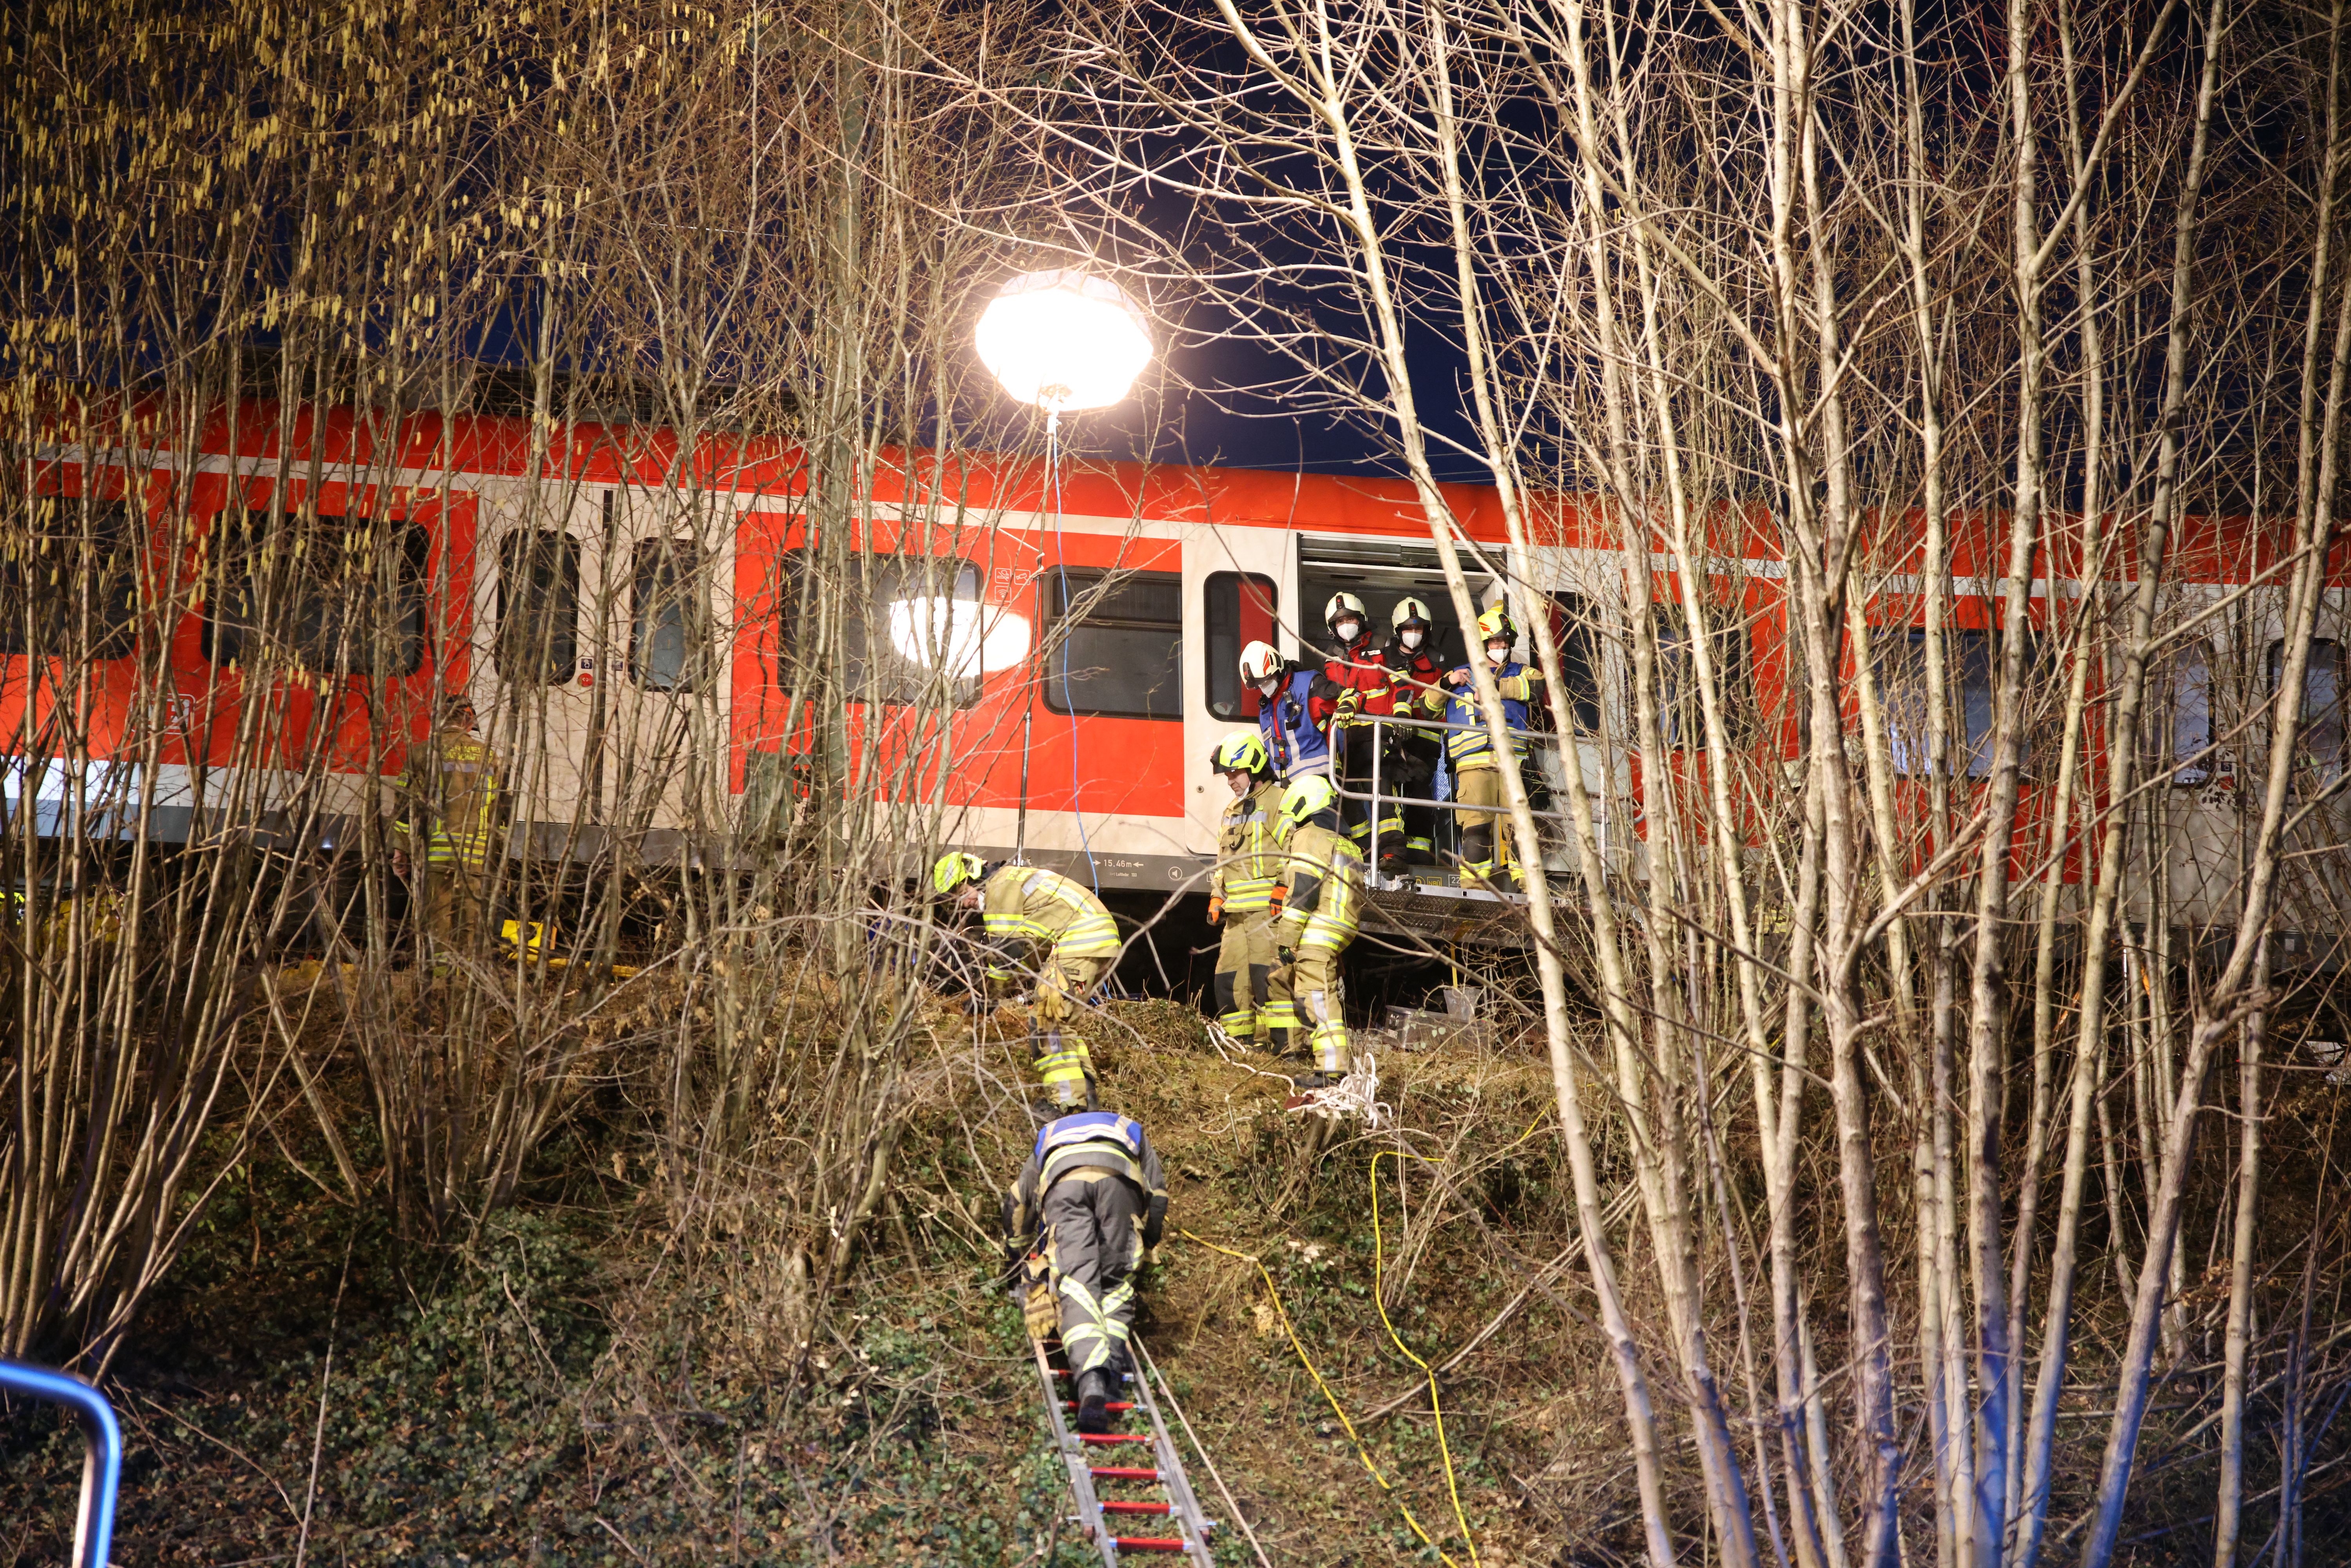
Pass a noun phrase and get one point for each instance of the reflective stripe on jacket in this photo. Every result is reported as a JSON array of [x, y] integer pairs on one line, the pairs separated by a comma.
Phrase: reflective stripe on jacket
[[1026, 903], [1292, 726], [1472, 746], [451, 782], [1249, 862], [1324, 902]]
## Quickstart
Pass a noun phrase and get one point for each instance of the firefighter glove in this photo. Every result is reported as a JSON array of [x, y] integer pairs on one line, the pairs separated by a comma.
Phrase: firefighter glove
[[1039, 1312], [1215, 908]]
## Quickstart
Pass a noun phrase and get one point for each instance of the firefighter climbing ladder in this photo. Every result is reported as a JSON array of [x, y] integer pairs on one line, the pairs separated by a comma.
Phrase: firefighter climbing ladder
[[1094, 1463]]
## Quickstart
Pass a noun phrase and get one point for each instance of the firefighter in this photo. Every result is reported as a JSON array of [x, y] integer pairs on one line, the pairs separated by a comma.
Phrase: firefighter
[[1024, 908], [1290, 715], [1356, 682], [1469, 751], [1322, 897], [1418, 673], [1242, 894], [1094, 1195], [449, 797]]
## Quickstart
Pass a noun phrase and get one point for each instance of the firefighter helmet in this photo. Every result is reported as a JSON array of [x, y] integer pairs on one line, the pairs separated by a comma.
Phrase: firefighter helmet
[[1343, 604], [954, 870], [1308, 796], [1409, 612], [1259, 662], [1497, 624], [1242, 751]]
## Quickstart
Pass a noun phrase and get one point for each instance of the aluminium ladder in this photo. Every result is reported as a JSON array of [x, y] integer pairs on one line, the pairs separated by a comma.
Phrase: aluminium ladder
[[1092, 1460]]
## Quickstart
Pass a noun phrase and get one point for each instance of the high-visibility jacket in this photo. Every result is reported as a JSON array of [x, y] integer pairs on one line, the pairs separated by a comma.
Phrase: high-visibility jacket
[[1360, 668], [1292, 723], [1470, 747], [1324, 902], [1088, 1140], [449, 798], [1027, 904], [1248, 862]]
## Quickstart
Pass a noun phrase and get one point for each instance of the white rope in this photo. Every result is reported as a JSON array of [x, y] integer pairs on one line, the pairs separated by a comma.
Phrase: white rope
[[1356, 1096]]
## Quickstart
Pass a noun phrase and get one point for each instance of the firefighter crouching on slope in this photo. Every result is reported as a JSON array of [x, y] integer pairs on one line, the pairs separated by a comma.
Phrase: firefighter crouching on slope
[[1026, 909], [1244, 895], [1089, 1180], [1414, 665], [448, 796], [1477, 776], [1290, 716], [1321, 906]]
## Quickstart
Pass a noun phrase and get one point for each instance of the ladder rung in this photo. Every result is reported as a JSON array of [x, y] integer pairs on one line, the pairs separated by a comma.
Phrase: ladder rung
[[1148, 1543], [1118, 1405], [1115, 1506], [1114, 1437], [1121, 1473]]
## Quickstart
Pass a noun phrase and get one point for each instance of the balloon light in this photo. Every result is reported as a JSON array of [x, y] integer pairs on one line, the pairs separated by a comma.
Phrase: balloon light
[[1063, 341], [965, 637]]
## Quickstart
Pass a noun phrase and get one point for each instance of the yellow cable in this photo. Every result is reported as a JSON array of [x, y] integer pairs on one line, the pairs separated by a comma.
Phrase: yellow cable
[[1308, 1363], [1444, 1449]]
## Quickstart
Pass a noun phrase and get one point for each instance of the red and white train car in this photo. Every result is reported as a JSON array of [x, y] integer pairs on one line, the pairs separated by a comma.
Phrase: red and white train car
[[634, 601]]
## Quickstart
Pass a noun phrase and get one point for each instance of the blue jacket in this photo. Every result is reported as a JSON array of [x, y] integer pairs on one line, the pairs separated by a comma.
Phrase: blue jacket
[[1290, 724], [1087, 1140], [1471, 747]]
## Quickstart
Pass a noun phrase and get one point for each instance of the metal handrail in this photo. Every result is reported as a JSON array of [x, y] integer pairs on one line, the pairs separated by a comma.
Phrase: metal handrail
[[101, 1436], [1332, 740]]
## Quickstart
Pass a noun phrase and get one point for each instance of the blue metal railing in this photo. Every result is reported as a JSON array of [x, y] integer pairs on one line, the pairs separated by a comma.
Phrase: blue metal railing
[[101, 1472]]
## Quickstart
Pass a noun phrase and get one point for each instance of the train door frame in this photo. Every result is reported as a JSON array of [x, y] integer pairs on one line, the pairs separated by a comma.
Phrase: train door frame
[[1208, 552], [688, 757], [543, 743]]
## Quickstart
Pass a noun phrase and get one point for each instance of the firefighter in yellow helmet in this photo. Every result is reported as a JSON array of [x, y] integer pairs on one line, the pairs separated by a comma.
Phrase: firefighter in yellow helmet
[[1244, 894], [449, 798], [1470, 750], [1026, 909], [1322, 901]]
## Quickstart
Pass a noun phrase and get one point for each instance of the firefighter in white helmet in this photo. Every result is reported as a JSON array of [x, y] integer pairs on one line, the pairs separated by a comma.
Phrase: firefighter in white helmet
[[1356, 682], [1245, 895], [1025, 908], [1322, 903], [1290, 716]]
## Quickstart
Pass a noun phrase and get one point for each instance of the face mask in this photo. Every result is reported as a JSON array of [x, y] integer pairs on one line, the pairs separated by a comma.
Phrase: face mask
[[1266, 687], [1498, 652], [1348, 630], [1412, 639]]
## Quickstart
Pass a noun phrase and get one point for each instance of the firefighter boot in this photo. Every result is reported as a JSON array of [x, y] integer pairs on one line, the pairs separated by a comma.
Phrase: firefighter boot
[[1093, 1389]]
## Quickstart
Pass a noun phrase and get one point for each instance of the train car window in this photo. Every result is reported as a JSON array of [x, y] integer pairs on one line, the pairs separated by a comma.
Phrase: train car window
[[1681, 715], [1119, 654], [2320, 743], [913, 628], [2191, 716], [538, 607], [1577, 634], [327, 594], [1240, 609], [668, 639], [1971, 674], [70, 582]]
